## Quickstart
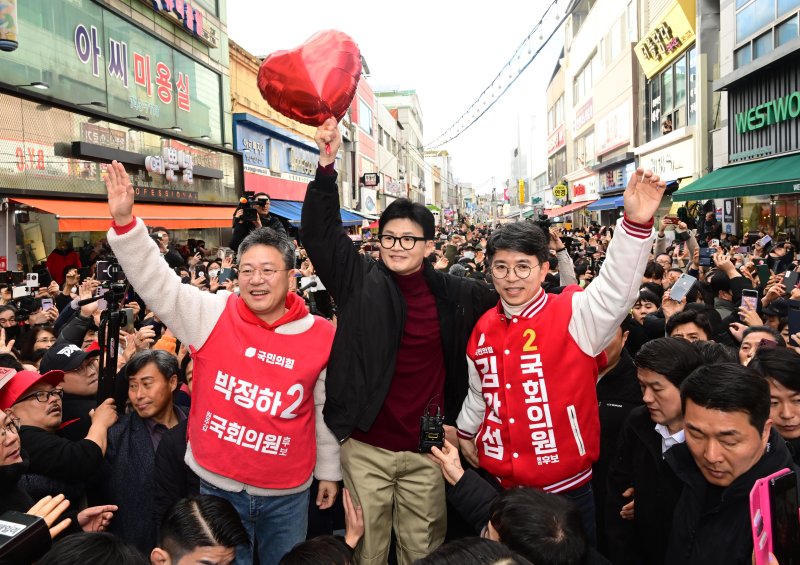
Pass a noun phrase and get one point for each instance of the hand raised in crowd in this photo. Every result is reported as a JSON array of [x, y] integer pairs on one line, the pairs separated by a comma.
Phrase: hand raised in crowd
[[229, 285], [696, 258], [194, 259], [794, 342], [213, 284], [555, 240], [353, 521], [773, 293], [5, 295], [449, 462], [328, 140], [144, 338], [198, 280], [441, 263], [42, 317], [227, 262], [737, 331], [50, 508], [643, 196], [326, 495], [129, 348], [135, 306], [85, 291], [105, 414], [627, 511], [724, 264], [795, 294], [6, 347], [469, 450], [120, 193], [671, 307], [750, 317], [96, 518]]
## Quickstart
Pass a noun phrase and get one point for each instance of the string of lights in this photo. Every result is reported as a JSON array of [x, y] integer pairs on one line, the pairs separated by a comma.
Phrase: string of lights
[[524, 55]]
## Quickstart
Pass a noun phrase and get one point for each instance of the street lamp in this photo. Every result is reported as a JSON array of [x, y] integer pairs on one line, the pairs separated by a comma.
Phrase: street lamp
[[137, 117], [38, 84], [93, 103]]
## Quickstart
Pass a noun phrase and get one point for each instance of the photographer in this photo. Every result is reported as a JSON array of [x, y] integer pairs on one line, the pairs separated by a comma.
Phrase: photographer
[[170, 255], [245, 221]]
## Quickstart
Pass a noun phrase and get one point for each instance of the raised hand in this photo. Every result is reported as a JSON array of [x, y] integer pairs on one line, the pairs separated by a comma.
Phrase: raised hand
[[120, 193], [328, 140], [643, 196]]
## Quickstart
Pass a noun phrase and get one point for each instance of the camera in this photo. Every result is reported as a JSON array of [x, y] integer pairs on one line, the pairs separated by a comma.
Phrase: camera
[[12, 278], [26, 306], [541, 219], [248, 203], [109, 272]]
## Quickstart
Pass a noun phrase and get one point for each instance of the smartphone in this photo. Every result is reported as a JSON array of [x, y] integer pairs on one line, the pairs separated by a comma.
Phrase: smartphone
[[47, 303], [763, 274], [32, 280], [681, 287], [713, 243], [750, 299], [794, 320], [224, 275], [743, 249], [761, 518], [773, 513], [705, 256], [127, 321], [199, 269], [790, 279], [673, 220], [764, 241], [19, 292]]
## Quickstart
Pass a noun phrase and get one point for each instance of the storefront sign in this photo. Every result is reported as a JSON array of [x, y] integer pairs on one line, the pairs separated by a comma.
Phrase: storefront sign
[[302, 161], [8, 25], [556, 140], [370, 179], [584, 189], [164, 194], [768, 113], [187, 14], [172, 164], [106, 136], [521, 186], [671, 163], [560, 191], [752, 153], [369, 200], [393, 187], [668, 39], [613, 130], [583, 115], [616, 178]]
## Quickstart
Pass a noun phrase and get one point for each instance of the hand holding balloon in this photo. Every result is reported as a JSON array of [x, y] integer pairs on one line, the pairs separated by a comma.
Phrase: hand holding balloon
[[328, 140]]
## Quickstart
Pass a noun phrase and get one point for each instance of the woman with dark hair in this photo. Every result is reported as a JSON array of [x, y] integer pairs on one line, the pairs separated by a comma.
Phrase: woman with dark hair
[[42, 337], [473, 551]]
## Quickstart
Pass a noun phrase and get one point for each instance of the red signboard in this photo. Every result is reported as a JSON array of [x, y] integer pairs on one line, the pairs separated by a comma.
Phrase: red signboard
[[556, 140]]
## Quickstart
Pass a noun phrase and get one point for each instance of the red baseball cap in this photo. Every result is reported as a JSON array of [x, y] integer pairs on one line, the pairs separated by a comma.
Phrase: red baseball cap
[[14, 384]]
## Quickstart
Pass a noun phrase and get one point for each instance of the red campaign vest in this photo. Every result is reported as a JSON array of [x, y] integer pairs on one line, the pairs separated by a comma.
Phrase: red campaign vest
[[541, 427], [252, 417]]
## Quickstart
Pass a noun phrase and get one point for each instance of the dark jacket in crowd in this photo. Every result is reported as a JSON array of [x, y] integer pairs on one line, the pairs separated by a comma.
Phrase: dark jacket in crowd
[[705, 513], [618, 393], [371, 315], [173, 478], [173, 258], [58, 465], [472, 497], [638, 463], [242, 229], [12, 495]]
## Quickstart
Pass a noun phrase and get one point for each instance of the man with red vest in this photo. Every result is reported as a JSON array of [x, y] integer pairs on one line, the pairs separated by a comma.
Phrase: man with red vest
[[256, 436], [531, 416]]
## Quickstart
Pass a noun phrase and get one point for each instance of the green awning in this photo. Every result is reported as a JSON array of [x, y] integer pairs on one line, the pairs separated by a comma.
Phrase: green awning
[[778, 175], [433, 208]]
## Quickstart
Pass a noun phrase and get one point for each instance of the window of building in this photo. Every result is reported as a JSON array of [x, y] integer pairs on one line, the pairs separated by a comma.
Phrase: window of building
[[557, 167], [555, 115], [584, 151], [364, 116], [633, 24], [582, 84], [672, 96], [761, 26]]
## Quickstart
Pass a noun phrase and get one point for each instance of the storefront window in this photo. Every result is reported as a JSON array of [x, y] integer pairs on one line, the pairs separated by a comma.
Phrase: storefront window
[[755, 213], [785, 32], [672, 97], [756, 15], [787, 210], [692, 58], [762, 45], [655, 110], [752, 17]]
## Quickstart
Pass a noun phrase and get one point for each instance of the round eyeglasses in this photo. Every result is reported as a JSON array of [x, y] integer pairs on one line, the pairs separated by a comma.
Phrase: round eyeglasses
[[407, 242], [522, 271]]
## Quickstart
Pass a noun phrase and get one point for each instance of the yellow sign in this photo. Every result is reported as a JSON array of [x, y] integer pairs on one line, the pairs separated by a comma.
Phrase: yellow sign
[[560, 191], [521, 184], [667, 40]]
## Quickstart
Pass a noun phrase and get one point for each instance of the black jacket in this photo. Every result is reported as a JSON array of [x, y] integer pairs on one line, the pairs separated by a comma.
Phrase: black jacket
[[174, 479], [718, 533], [638, 463], [242, 229], [371, 314]]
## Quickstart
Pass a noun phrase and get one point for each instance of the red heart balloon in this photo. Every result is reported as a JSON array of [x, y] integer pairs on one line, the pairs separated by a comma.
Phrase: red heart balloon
[[315, 81]]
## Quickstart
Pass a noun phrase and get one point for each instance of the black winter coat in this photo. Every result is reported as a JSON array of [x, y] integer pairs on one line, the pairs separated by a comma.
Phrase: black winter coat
[[173, 478], [371, 314], [638, 463], [718, 533]]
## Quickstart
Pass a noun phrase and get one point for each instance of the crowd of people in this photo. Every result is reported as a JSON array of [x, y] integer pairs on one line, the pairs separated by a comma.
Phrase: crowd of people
[[464, 394]]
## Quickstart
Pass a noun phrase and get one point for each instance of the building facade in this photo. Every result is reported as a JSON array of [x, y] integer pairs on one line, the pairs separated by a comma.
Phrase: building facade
[[405, 105]]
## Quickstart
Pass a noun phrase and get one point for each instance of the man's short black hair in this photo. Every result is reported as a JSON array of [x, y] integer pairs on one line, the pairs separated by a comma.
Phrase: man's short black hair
[[654, 271], [98, 548], [779, 363], [404, 209], [669, 356], [522, 237], [166, 363], [647, 295], [472, 551], [713, 352], [720, 282], [776, 335], [270, 238], [542, 527], [201, 521], [690, 316], [329, 550], [729, 387]]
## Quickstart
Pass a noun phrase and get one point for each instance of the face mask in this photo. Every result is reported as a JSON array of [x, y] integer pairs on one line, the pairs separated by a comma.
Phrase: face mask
[[469, 254]]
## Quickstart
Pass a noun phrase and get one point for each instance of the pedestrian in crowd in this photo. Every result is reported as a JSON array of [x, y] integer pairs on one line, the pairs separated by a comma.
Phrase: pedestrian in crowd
[[397, 355], [166, 249], [532, 359], [61, 258], [203, 529], [729, 445], [262, 219], [94, 548], [639, 477], [256, 432], [473, 551]]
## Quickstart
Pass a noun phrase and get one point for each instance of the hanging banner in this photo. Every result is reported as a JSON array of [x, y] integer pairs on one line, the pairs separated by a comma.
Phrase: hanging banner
[[8, 25]]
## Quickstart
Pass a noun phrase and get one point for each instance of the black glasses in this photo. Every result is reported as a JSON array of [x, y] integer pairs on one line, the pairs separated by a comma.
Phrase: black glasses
[[43, 395], [11, 427], [407, 242], [522, 271]]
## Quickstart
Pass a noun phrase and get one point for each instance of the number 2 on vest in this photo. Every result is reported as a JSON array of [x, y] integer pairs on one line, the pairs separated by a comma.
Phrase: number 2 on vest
[[531, 335]]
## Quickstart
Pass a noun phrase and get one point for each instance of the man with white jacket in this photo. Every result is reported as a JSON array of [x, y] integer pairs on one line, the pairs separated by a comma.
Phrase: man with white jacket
[[256, 433], [531, 415]]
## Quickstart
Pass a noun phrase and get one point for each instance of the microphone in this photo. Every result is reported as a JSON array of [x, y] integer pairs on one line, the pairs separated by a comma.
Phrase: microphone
[[308, 285]]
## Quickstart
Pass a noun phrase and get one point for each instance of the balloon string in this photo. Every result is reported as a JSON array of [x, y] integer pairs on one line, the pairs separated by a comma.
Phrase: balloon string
[[327, 149]]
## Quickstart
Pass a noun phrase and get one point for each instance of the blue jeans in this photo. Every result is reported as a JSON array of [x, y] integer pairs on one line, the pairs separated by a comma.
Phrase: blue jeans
[[275, 524], [583, 499]]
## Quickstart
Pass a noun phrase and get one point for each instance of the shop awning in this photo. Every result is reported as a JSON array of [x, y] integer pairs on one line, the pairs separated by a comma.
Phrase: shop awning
[[609, 203], [778, 175], [555, 212], [75, 215], [292, 211]]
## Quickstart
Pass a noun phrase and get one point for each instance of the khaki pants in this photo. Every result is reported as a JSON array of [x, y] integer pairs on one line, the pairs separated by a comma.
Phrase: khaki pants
[[403, 490]]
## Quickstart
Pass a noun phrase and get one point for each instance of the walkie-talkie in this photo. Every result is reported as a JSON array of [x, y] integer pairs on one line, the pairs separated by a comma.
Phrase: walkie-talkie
[[431, 430]]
